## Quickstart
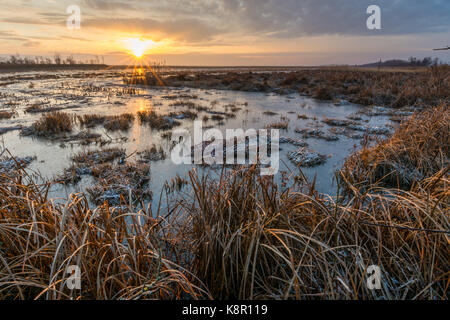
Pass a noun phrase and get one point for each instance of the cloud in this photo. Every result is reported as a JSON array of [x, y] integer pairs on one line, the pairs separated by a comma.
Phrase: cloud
[[21, 20], [325, 26], [42, 18], [107, 5], [75, 38], [298, 18], [200, 20], [189, 30], [12, 36], [32, 44], [294, 18]]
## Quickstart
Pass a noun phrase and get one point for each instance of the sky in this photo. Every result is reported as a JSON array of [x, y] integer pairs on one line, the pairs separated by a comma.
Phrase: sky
[[228, 32]]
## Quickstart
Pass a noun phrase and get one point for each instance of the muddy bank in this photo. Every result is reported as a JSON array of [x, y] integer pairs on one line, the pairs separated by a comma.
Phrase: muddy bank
[[49, 67]]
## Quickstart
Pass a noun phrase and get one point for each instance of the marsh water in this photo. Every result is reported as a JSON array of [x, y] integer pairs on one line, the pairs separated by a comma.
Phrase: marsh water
[[103, 92]]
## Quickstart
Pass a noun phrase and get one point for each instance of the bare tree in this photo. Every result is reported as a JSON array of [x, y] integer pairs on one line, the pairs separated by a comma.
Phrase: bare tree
[[12, 59], [70, 60], [57, 58]]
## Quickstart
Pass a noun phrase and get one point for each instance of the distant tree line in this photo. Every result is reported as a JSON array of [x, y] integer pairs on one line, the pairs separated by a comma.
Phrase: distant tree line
[[56, 60], [425, 62], [411, 62]]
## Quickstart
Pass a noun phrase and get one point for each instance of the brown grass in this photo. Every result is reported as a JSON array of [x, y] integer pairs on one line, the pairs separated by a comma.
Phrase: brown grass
[[53, 123], [418, 149], [41, 108], [282, 125], [116, 182], [427, 87], [251, 241], [157, 121], [98, 156], [122, 122], [152, 154], [323, 93], [111, 123], [6, 115], [396, 87], [240, 236], [187, 114], [91, 120], [119, 254]]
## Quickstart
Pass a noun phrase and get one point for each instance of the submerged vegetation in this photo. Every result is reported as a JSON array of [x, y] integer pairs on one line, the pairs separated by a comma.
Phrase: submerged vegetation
[[241, 235], [111, 123], [156, 121], [121, 122]]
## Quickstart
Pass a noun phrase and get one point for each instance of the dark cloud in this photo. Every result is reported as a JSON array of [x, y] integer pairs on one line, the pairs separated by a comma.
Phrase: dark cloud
[[282, 18], [198, 21], [293, 18]]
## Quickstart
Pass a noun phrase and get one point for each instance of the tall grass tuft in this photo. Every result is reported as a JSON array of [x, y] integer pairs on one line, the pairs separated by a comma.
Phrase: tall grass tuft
[[243, 236], [121, 255], [53, 123], [249, 240], [417, 150]]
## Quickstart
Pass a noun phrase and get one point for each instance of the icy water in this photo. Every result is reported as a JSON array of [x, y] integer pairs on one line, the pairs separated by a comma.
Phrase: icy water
[[102, 92]]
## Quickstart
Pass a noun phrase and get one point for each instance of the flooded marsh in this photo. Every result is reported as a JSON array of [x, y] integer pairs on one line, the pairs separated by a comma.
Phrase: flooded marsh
[[55, 117]]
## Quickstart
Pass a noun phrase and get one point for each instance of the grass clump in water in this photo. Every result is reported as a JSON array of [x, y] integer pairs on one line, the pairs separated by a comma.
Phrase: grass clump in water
[[6, 115], [152, 154], [84, 163], [122, 122], [120, 183], [282, 125], [156, 121], [51, 124], [111, 123], [99, 156]]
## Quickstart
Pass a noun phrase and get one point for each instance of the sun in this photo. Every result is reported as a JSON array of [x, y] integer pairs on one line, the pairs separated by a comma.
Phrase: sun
[[138, 46]]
